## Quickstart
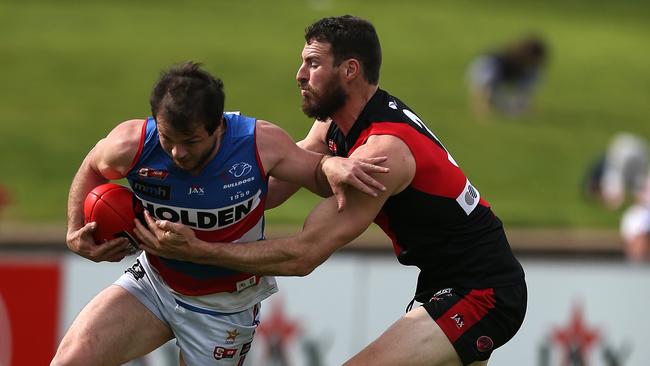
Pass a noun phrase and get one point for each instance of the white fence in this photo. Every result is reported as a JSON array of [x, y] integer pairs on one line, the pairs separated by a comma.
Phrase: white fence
[[579, 312]]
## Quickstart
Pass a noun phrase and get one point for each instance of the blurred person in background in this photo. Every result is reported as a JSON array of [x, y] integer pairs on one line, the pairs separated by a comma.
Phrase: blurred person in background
[[621, 172], [4, 199], [635, 226], [635, 232], [206, 167], [472, 287], [504, 81]]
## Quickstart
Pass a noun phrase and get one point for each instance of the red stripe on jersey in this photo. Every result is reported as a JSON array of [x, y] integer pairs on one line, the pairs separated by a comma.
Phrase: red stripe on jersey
[[235, 231], [483, 202], [465, 313], [143, 133], [191, 286], [435, 174], [384, 223], [257, 154], [188, 285]]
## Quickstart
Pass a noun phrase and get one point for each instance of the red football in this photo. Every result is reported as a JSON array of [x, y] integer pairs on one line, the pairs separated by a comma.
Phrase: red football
[[111, 206]]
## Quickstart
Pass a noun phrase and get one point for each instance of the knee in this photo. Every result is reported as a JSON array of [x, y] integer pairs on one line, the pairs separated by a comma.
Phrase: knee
[[62, 358], [69, 355]]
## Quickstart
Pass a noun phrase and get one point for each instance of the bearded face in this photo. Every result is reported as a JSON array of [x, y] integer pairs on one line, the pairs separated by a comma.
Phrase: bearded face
[[319, 80], [321, 103]]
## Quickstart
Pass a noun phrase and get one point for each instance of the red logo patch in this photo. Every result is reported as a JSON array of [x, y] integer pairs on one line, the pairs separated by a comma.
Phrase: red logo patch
[[484, 343], [220, 352], [332, 146], [153, 173]]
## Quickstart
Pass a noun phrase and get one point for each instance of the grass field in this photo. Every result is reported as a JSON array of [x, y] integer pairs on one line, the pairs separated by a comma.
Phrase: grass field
[[71, 70]]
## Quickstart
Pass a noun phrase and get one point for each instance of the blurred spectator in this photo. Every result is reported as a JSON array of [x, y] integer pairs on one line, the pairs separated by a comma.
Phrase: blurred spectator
[[635, 231], [4, 199], [622, 171], [503, 81]]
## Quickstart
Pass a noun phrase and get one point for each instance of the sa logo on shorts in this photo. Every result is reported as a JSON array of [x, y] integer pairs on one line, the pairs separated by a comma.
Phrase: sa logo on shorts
[[221, 352]]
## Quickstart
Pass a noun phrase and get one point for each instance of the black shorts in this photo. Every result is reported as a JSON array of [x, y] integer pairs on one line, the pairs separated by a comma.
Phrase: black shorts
[[477, 321]]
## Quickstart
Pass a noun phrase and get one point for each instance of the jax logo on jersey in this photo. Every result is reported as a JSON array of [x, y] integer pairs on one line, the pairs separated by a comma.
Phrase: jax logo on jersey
[[197, 190], [240, 169], [204, 219]]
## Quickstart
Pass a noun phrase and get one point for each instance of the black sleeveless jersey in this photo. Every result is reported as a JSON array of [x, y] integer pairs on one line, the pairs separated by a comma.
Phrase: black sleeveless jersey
[[439, 223]]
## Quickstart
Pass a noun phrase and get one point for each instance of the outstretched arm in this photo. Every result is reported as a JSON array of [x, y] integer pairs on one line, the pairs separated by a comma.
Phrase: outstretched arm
[[325, 229], [109, 159], [321, 174], [280, 190]]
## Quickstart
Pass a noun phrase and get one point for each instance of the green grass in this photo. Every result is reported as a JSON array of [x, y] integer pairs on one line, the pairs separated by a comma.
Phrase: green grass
[[72, 70]]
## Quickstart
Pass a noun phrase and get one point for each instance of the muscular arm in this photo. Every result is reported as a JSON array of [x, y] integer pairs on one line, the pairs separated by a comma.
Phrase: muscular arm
[[280, 190], [325, 229], [286, 161], [109, 159]]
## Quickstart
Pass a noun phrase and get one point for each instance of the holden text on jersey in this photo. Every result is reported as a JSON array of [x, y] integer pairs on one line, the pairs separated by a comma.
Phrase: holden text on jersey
[[204, 219]]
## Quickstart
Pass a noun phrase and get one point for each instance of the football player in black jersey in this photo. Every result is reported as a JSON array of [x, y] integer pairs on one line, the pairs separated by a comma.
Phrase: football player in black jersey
[[471, 286]]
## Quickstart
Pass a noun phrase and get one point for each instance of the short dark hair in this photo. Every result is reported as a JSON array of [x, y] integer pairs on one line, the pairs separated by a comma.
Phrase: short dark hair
[[185, 95], [350, 37]]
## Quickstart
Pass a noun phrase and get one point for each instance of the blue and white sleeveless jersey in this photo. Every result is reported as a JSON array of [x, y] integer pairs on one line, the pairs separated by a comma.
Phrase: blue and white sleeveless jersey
[[224, 203]]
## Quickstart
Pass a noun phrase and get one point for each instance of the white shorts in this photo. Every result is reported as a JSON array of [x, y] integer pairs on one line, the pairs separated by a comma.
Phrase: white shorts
[[205, 337]]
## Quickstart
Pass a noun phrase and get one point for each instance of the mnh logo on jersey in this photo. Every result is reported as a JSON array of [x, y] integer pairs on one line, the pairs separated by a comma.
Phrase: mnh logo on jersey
[[240, 169]]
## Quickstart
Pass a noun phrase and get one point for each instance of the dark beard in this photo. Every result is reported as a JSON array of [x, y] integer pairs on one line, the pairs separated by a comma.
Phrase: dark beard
[[323, 107]]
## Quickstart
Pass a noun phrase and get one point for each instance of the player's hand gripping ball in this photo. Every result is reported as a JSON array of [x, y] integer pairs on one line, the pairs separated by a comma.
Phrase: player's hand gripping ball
[[113, 207]]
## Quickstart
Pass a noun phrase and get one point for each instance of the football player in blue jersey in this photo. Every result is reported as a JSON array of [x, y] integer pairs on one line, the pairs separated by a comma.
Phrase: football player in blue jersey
[[189, 162]]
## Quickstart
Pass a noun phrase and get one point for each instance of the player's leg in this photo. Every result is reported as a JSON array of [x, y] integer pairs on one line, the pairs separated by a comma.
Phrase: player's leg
[[413, 340], [636, 248], [454, 327], [209, 337], [112, 329]]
